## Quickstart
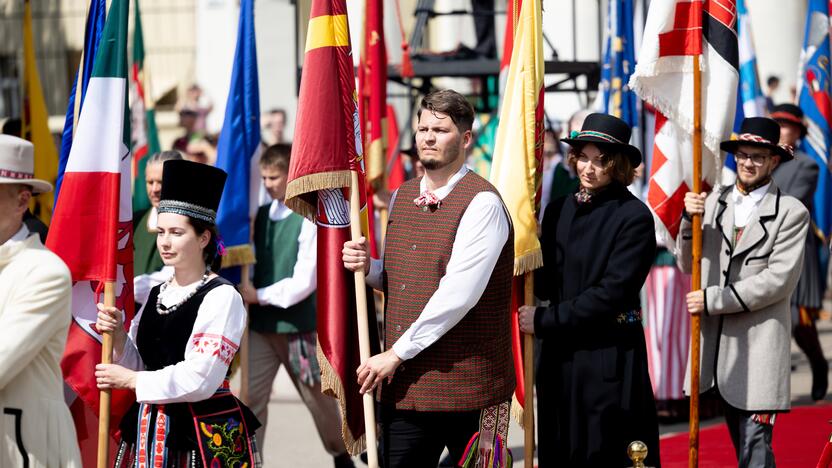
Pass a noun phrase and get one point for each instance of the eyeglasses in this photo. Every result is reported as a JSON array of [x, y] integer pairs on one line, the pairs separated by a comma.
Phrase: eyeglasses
[[758, 159]]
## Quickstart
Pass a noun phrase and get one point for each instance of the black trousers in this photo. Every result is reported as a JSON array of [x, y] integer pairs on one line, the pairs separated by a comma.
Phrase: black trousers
[[416, 439], [752, 439]]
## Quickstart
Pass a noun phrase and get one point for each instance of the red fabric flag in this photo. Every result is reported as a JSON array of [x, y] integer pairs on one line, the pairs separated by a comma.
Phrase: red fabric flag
[[372, 84], [327, 147], [372, 106], [395, 166]]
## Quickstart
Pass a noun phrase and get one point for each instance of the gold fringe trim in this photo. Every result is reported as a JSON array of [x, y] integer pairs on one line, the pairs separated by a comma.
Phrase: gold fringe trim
[[237, 256], [312, 183], [331, 385], [528, 261], [517, 411]]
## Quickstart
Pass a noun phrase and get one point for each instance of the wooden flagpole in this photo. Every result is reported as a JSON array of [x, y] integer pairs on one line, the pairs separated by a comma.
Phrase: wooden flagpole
[[244, 342], [696, 278], [363, 325], [528, 378], [104, 395]]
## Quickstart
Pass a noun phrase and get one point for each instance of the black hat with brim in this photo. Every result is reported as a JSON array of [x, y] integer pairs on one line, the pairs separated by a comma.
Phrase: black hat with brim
[[761, 132], [607, 131], [789, 113], [191, 189]]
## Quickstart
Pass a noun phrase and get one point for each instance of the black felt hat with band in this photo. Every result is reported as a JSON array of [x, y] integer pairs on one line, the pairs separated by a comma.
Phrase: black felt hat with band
[[191, 189], [608, 131], [761, 132], [789, 113]]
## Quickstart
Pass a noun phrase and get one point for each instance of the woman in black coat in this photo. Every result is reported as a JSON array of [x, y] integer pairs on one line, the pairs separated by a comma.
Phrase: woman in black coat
[[593, 387]]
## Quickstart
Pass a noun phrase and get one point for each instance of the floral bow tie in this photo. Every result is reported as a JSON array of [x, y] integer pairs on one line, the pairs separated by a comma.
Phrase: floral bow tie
[[427, 200]]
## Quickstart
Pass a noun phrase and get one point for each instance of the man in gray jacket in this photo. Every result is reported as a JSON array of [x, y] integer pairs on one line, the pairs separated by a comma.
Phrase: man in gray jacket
[[752, 251]]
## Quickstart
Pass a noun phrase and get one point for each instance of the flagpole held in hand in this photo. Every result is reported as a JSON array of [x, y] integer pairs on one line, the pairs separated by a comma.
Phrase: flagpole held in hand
[[528, 378], [244, 342], [363, 324], [696, 277], [104, 399]]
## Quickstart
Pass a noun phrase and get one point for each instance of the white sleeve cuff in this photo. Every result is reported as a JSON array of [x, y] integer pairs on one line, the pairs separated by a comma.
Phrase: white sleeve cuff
[[405, 349]]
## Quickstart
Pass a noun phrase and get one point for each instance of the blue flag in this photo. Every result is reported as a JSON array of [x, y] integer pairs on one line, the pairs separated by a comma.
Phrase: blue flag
[[619, 63], [92, 35], [238, 143], [815, 102], [750, 99]]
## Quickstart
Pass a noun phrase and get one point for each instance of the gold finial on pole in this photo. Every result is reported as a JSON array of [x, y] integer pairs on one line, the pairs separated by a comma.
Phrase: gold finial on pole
[[637, 451]]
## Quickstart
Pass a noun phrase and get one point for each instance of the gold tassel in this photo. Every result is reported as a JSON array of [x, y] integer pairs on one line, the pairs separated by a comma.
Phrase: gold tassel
[[331, 385], [528, 261], [238, 255], [312, 183], [517, 411]]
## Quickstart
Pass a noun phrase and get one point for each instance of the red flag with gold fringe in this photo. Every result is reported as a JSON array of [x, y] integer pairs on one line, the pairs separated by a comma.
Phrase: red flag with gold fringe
[[327, 148]]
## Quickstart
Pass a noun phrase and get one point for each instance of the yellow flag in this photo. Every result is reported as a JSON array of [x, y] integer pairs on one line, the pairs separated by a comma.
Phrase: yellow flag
[[35, 125], [519, 143]]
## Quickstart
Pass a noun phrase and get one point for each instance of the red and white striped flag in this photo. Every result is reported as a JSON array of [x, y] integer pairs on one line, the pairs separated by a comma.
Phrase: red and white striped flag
[[676, 31]]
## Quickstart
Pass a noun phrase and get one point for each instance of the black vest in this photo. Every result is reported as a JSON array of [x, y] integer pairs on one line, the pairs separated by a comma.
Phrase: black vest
[[161, 339]]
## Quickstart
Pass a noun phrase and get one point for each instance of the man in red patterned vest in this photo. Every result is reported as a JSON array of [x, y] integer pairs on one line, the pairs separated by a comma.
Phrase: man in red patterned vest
[[447, 370]]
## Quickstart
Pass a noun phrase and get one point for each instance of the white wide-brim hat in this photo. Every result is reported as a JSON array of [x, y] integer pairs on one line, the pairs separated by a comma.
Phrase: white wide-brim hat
[[17, 164]]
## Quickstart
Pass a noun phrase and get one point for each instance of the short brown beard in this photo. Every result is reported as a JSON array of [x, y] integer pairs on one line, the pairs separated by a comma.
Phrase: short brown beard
[[434, 165]]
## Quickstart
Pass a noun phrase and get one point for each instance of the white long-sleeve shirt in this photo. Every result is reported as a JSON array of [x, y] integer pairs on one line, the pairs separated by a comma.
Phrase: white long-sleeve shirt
[[482, 232], [214, 340], [290, 291]]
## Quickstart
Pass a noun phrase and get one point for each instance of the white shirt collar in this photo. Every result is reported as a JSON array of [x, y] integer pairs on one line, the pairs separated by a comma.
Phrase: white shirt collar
[[278, 211], [20, 235], [443, 191], [755, 195], [746, 205]]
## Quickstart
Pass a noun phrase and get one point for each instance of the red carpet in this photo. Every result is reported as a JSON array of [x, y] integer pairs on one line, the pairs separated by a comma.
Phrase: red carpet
[[799, 437]]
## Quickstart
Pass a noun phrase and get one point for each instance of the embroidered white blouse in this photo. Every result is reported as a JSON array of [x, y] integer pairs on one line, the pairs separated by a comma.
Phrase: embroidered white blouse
[[215, 338]]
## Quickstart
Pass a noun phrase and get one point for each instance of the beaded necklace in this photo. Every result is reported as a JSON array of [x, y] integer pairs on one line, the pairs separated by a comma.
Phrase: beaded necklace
[[162, 310]]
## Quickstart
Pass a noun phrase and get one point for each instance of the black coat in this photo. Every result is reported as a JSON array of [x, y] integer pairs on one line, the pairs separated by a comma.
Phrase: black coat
[[799, 178], [594, 392]]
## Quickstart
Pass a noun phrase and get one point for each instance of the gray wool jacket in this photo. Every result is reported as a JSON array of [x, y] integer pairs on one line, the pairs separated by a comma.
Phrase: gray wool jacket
[[746, 328]]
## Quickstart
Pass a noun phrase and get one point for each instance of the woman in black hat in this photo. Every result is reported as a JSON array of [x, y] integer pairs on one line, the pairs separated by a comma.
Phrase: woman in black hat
[[176, 355], [593, 386]]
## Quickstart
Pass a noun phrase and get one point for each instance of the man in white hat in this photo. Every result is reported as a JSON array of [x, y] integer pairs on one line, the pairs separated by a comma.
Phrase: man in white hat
[[36, 428]]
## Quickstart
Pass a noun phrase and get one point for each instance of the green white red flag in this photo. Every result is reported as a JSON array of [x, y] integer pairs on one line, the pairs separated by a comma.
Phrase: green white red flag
[[91, 226], [144, 136]]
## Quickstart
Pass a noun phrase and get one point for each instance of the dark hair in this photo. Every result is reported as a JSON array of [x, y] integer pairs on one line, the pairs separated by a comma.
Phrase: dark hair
[[12, 126], [277, 156], [278, 110], [210, 253], [772, 80], [616, 163], [452, 104]]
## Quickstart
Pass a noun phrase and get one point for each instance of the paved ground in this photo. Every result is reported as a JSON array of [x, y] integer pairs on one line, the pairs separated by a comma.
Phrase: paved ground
[[291, 439]]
